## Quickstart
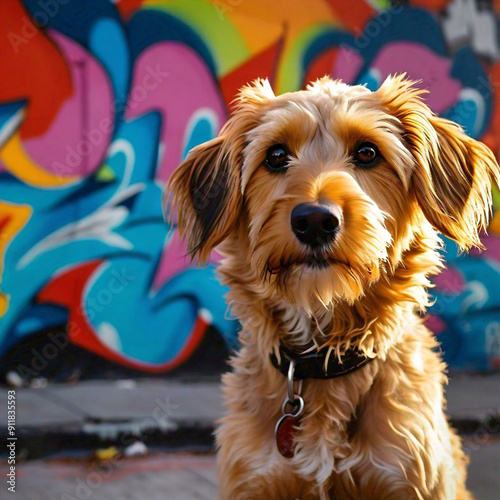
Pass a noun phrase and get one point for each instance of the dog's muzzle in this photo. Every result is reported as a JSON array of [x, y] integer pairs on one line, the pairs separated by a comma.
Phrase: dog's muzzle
[[315, 225]]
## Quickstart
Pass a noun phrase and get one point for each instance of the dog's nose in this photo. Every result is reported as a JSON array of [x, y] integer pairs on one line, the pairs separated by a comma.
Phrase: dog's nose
[[315, 225]]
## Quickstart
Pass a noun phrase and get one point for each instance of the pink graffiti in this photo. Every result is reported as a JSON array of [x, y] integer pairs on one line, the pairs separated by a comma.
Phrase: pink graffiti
[[77, 140], [347, 65], [450, 281], [172, 79], [419, 62], [435, 323], [173, 261], [492, 248]]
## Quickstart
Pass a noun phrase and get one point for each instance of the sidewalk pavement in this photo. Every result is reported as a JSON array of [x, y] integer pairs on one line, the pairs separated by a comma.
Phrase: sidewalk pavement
[[179, 476], [104, 410], [65, 424]]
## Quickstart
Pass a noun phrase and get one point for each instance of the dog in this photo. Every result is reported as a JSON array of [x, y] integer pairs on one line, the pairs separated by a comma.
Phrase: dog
[[325, 205]]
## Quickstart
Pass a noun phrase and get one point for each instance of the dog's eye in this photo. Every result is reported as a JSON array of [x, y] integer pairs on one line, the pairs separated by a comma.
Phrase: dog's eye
[[366, 155], [277, 158]]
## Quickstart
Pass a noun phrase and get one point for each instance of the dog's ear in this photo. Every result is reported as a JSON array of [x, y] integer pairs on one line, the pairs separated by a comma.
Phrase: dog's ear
[[205, 196], [453, 172], [205, 190]]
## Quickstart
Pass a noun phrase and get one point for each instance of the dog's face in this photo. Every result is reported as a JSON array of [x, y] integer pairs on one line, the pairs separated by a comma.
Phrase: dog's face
[[324, 190]]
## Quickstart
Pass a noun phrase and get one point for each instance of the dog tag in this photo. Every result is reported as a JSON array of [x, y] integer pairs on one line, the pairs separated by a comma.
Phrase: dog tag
[[286, 429]]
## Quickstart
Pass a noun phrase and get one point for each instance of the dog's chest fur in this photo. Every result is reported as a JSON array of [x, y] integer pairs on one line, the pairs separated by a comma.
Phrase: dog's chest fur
[[349, 438], [345, 421]]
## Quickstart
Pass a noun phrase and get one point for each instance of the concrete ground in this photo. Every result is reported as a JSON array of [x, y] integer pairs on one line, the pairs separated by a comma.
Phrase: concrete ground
[[60, 427], [178, 476], [159, 476], [484, 468]]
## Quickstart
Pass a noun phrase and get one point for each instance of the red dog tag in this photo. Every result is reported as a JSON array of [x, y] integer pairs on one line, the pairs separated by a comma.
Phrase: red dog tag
[[286, 429]]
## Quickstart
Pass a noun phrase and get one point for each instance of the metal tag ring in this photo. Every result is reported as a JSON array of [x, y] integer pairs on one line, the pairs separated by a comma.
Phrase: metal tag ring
[[296, 399], [290, 382]]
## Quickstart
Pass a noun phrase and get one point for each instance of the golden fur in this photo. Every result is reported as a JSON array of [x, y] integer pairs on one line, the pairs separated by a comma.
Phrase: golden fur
[[379, 433]]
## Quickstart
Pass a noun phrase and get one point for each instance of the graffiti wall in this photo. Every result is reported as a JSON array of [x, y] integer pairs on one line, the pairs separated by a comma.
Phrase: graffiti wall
[[101, 100]]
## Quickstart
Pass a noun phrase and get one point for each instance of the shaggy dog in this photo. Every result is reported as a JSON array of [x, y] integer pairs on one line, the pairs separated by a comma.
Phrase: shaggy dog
[[325, 205]]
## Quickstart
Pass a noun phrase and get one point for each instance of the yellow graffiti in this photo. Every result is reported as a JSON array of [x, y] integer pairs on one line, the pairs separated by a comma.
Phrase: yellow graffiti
[[4, 304], [495, 224], [12, 219], [25, 169]]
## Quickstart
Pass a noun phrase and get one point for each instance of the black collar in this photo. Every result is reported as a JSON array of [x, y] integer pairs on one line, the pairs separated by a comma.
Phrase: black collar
[[312, 364]]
